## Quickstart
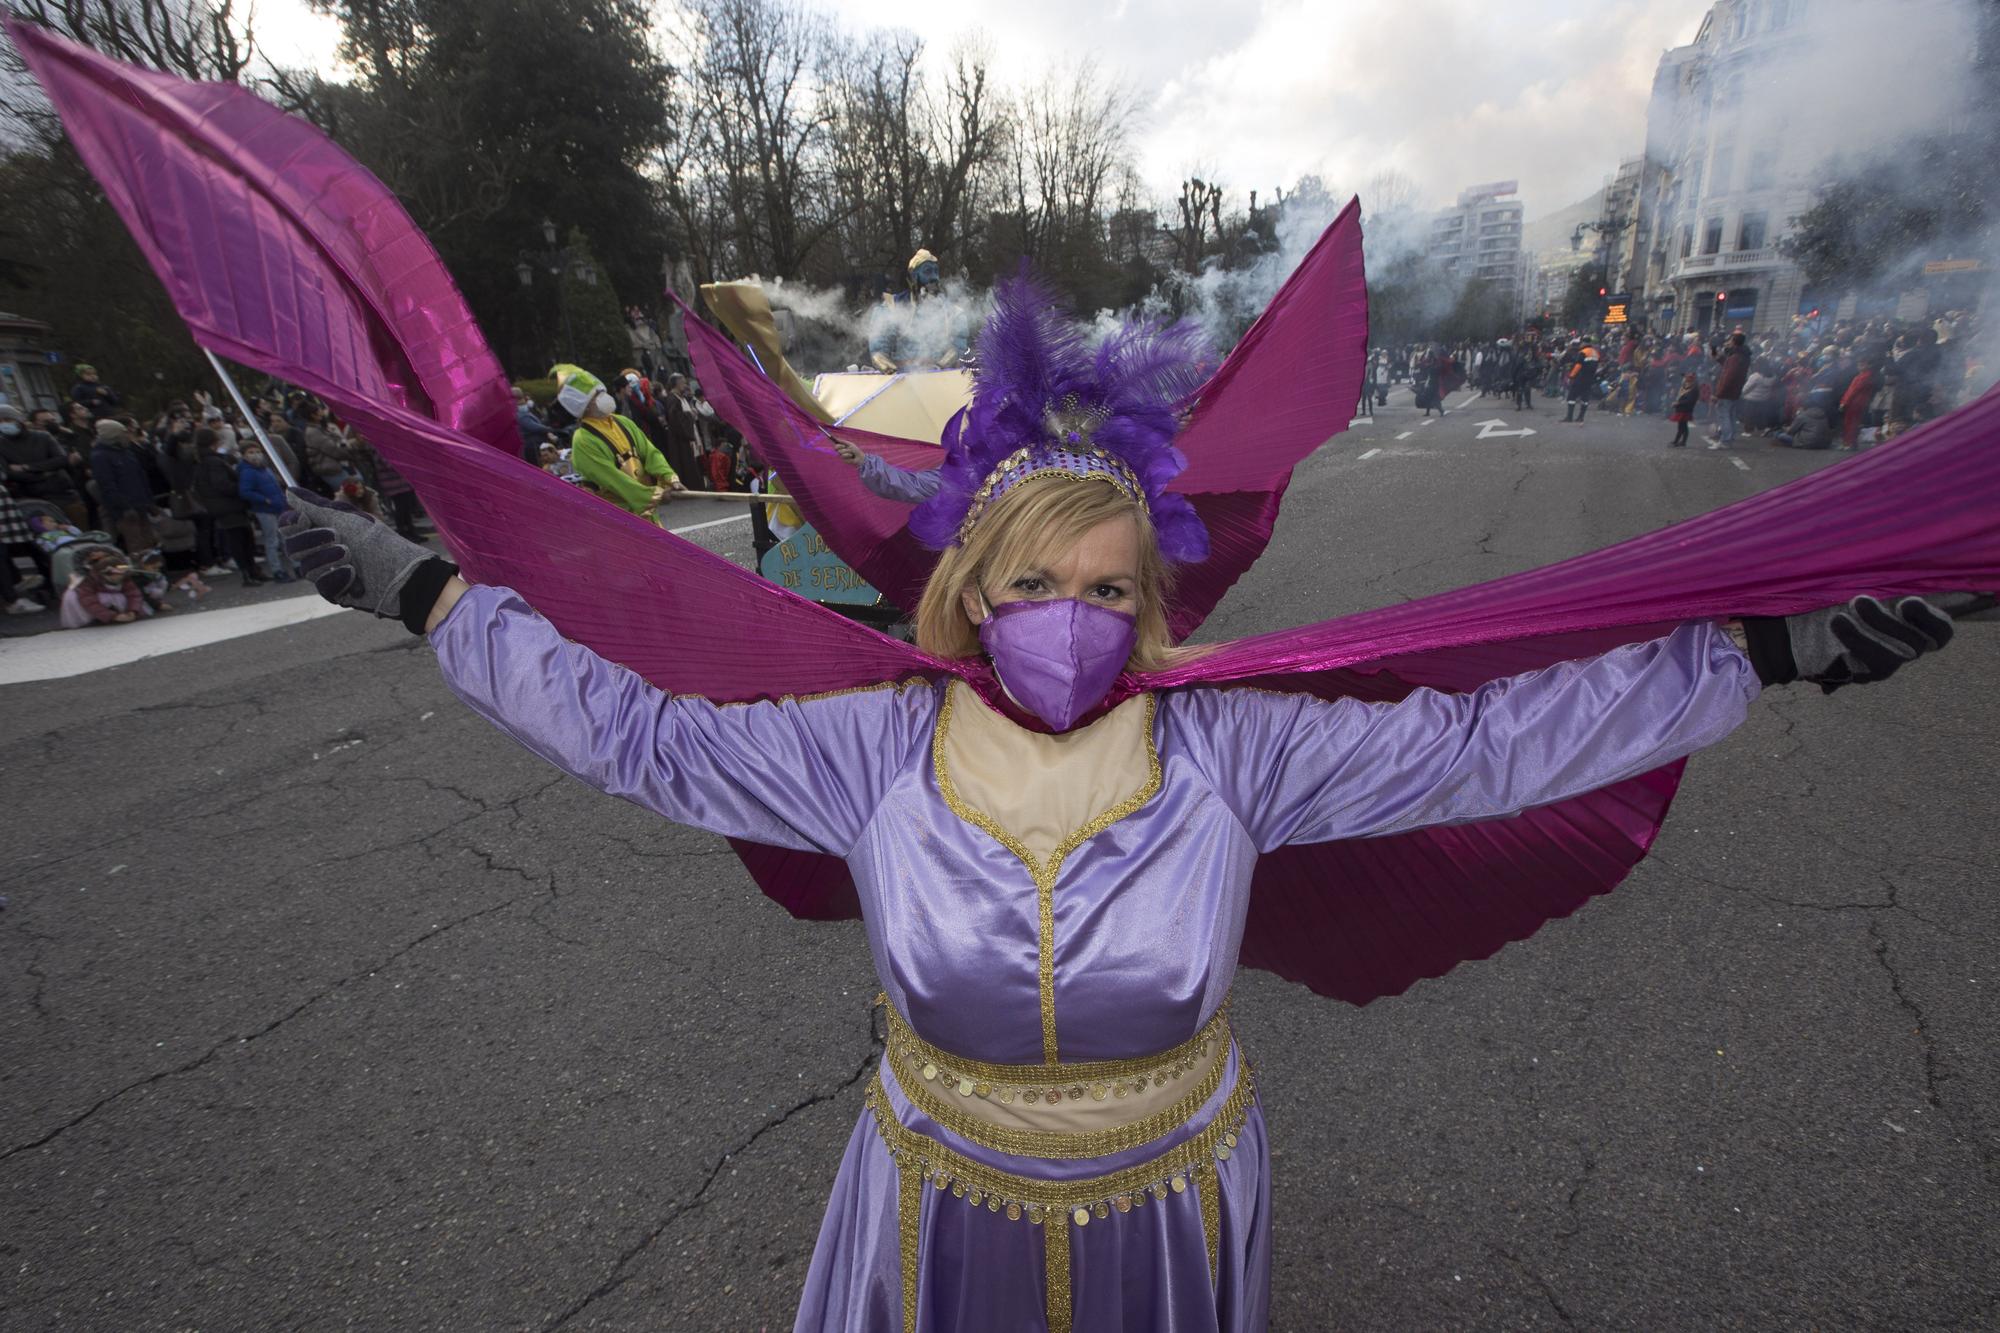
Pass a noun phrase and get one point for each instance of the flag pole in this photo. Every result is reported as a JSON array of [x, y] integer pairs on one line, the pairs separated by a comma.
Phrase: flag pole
[[256, 426]]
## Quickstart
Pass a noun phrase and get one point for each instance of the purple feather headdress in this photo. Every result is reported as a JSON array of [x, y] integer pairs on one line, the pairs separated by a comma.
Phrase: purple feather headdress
[[1044, 402]]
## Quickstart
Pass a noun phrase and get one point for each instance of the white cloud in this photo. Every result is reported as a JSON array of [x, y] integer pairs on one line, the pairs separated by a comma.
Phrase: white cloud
[[1259, 92], [1449, 92]]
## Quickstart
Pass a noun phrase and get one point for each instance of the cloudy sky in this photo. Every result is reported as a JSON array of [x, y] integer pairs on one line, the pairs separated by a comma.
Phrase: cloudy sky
[[1259, 92], [1256, 93]]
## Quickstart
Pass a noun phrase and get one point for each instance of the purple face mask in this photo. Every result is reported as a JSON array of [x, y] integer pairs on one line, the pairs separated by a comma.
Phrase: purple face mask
[[1058, 658]]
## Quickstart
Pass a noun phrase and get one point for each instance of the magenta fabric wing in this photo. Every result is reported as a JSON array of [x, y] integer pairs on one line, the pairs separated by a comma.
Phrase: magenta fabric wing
[[1290, 385], [220, 188], [863, 529], [284, 254]]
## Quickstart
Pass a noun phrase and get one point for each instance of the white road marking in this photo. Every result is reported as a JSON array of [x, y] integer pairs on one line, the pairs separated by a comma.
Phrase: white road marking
[[712, 523], [1406, 435], [1370, 454], [1490, 429], [1428, 420], [1741, 466], [63, 653]]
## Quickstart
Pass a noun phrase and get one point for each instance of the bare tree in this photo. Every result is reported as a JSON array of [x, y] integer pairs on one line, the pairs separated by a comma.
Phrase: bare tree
[[196, 39], [911, 145], [967, 131], [756, 130], [1388, 192], [1200, 207], [1071, 140]]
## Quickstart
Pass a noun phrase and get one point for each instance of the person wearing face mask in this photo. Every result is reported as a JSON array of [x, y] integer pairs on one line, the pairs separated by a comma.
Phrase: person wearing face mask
[[1063, 1133], [610, 452], [220, 495], [37, 467]]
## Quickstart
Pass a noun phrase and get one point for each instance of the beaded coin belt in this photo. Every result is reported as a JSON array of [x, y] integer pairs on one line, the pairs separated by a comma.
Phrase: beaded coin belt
[[933, 1080]]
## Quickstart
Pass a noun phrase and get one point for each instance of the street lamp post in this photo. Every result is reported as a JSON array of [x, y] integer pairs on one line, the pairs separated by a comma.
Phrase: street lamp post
[[1608, 231], [557, 260]]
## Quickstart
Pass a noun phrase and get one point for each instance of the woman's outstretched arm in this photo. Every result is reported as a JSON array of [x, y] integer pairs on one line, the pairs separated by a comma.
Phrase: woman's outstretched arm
[[1295, 768], [807, 774], [797, 773]]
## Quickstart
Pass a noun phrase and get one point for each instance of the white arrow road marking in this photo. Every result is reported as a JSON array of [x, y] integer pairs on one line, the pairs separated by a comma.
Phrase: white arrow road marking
[[1370, 454], [1488, 430], [1741, 466]]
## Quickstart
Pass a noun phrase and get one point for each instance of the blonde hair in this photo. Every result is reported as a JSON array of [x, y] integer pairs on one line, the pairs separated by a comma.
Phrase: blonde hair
[[1038, 518]]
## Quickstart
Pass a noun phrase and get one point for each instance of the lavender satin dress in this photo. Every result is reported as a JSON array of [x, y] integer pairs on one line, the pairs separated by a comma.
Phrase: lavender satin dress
[[1145, 915]]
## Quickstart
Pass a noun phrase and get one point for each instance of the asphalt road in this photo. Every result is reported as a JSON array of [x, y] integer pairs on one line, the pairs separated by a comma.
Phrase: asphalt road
[[324, 1006]]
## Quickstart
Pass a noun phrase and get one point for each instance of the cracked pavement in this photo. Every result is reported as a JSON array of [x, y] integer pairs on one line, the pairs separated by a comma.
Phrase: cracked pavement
[[322, 1005]]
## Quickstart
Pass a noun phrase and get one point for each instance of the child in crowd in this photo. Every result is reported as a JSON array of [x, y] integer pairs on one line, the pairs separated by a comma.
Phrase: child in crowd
[[720, 464], [260, 488], [1683, 412], [104, 592], [362, 496]]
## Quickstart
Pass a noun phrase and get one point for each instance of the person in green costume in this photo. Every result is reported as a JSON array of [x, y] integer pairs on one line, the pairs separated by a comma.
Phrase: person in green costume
[[610, 452]]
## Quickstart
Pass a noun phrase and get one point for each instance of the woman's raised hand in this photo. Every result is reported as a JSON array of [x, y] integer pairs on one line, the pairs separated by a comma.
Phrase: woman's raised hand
[[356, 561], [1857, 643]]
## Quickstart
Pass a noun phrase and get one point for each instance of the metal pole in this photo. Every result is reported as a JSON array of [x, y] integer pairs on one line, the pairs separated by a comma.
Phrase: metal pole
[[256, 426]]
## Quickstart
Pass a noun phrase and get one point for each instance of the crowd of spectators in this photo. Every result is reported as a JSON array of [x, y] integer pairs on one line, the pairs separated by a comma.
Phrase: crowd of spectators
[[96, 498], [1819, 384]]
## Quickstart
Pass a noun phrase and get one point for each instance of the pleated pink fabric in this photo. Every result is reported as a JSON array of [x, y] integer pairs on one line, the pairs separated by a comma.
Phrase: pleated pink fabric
[[1289, 385], [284, 254]]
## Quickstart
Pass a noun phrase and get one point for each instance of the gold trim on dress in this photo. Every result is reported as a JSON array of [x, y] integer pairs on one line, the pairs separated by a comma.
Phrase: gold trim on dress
[[1170, 1063], [1057, 1299], [1044, 873], [1060, 1145], [907, 682], [909, 1227], [1208, 1194], [1055, 1205]]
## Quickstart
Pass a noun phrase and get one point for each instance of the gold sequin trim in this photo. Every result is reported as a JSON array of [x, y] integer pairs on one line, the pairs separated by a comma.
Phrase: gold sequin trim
[[1208, 1194], [909, 1226], [1056, 1297], [1044, 874], [1057, 1144], [1042, 1200], [1119, 475], [1056, 1205], [911, 682], [1172, 1063]]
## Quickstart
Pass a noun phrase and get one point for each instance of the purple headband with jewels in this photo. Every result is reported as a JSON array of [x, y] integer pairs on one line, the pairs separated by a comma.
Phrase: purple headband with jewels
[[1045, 402]]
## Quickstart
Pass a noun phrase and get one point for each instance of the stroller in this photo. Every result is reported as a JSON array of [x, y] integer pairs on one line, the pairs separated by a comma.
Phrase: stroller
[[61, 542]]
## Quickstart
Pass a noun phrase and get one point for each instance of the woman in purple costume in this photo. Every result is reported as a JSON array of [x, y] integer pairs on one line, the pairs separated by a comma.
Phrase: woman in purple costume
[[1063, 1133]]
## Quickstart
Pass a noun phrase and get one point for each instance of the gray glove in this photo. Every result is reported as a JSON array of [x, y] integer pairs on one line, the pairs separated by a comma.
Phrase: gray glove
[[355, 560], [1856, 644]]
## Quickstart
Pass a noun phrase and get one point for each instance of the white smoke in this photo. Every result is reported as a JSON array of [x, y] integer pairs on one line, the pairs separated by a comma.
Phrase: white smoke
[[824, 331], [1226, 300]]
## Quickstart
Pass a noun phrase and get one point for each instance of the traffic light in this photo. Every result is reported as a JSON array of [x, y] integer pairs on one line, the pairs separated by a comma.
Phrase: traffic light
[[1600, 291], [1721, 296]]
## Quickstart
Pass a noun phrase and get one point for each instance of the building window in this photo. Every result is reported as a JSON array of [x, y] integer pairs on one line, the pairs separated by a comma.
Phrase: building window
[[1781, 13], [1750, 233], [1724, 169], [1711, 237], [1687, 241], [1763, 169]]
